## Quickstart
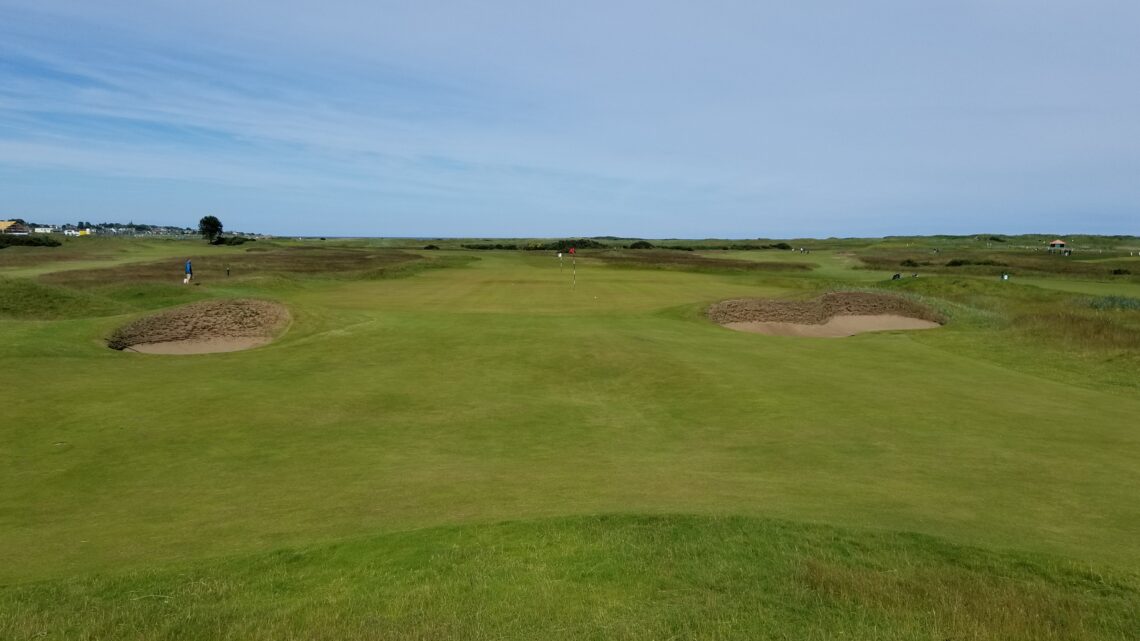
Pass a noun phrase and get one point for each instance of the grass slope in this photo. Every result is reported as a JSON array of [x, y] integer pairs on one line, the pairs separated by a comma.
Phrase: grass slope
[[616, 577]]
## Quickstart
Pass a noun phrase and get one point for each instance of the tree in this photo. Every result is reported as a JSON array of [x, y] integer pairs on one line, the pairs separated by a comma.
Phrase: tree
[[210, 228]]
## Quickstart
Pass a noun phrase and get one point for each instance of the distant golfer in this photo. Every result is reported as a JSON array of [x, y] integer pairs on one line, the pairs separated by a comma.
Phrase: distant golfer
[[189, 272]]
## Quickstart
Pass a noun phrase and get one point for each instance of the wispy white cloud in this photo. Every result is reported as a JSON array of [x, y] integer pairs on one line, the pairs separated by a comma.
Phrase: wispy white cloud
[[643, 118]]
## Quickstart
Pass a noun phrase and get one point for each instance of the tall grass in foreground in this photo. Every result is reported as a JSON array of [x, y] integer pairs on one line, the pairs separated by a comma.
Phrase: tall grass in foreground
[[619, 577], [1115, 303], [1079, 331]]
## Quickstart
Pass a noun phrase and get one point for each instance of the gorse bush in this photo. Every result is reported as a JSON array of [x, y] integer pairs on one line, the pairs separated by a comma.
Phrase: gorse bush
[[233, 240]]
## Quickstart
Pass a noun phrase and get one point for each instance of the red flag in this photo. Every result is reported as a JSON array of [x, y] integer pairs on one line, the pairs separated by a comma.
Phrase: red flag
[[571, 250]]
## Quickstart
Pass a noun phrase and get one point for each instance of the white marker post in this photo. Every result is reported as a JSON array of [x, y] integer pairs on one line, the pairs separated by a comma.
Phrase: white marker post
[[559, 262]]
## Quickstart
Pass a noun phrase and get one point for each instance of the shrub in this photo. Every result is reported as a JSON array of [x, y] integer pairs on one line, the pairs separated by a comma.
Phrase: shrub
[[431, 247], [960, 262], [232, 240], [36, 240], [782, 246], [1120, 271], [583, 243], [641, 244], [565, 244], [488, 246], [908, 263]]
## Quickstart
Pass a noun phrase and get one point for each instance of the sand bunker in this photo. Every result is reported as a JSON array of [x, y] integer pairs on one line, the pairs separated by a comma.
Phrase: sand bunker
[[835, 314], [205, 327]]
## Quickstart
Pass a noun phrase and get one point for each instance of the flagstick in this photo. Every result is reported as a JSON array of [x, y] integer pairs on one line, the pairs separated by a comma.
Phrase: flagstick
[[574, 264]]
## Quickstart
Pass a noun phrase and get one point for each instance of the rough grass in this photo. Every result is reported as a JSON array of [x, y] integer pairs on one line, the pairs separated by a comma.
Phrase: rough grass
[[405, 269], [691, 261], [1123, 303], [93, 251], [1047, 332], [348, 262], [612, 577], [26, 299], [148, 285], [990, 263], [1081, 331]]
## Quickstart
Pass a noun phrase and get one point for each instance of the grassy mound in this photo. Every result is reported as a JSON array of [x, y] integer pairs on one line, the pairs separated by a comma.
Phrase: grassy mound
[[21, 298], [620, 577]]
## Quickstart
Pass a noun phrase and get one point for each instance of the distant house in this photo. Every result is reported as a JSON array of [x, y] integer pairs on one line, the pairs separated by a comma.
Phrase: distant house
[[1057, 244], [13, 228], [43, 230], [77, 232]]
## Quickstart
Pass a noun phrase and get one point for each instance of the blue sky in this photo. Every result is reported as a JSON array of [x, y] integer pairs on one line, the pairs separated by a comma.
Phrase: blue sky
[[652, 119]]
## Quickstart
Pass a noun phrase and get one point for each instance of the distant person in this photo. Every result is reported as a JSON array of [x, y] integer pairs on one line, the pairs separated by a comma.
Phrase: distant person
[[189, 272]]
